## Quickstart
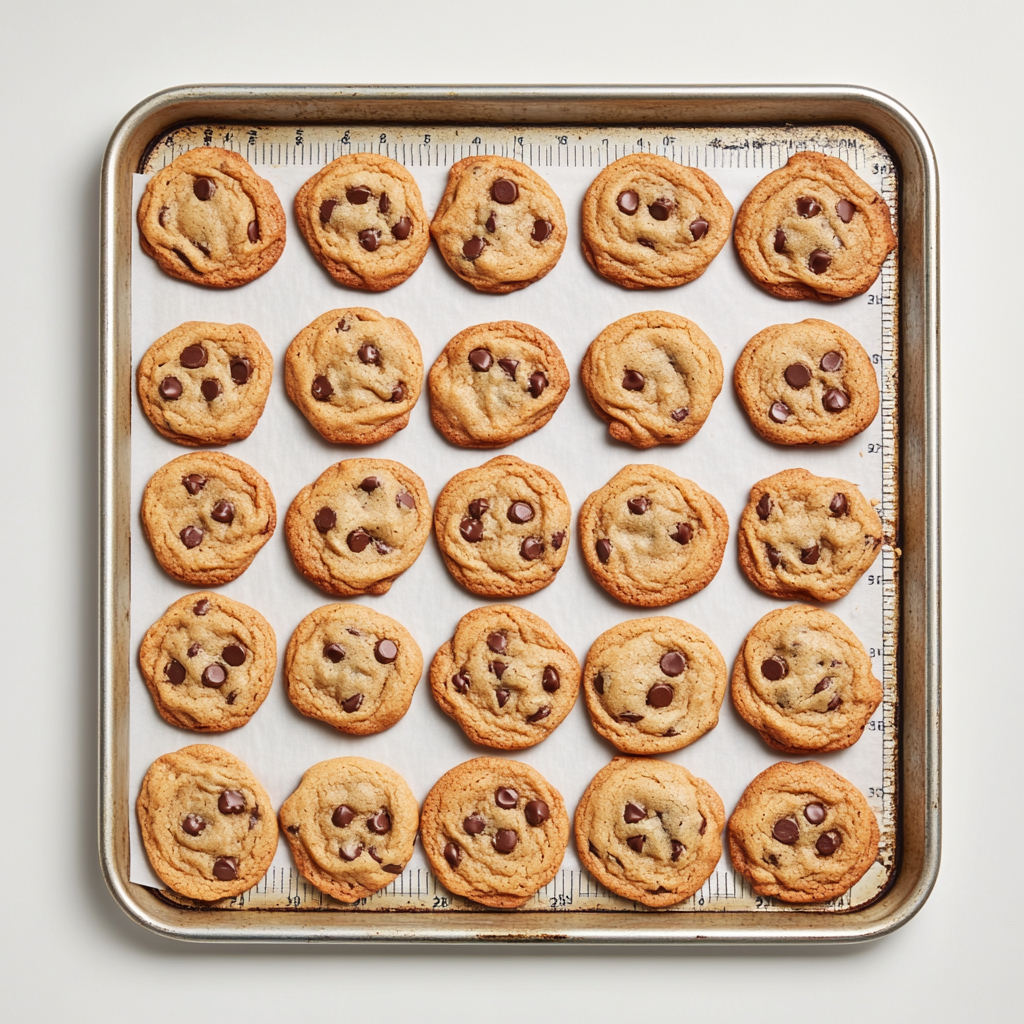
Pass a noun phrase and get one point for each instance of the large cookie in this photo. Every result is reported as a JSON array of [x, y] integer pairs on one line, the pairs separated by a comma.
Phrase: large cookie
[[351, 825], [494, 830], [503, 528], [363, 217], [499, 225], [209, 218], [804, 681], [654, 685], [806, 383], [652, 377], [802, 833], [495, 383], [649, 830], [207, 824], [652, 223], [651, 538], [506, 677], [208, 662], [814, 230], [809, 536], [206, 515], [358, 526], [353, 668], [355, 375]]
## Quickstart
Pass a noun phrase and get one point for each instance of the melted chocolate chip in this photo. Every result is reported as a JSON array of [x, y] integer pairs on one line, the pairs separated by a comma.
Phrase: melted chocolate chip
[[497, 642], [808, 207], [478, 506], [828, 843], [846, 210], [380, 823], [814, 813], [773, 556], [682, 534], [401, 230], [214, 676], [632, 814], [677, 849], [505, 796], [201, 607], [342, 816], [195, 649], [191, 536], [471, 530], [538, 382], [599, 683], [193, 483], [203, 188], [398, 394], [353, 704], [334, 652], [660, 695], [210, 388], [202, 248], [823, 685], [520, 512], [834, 400], [234, 655], [831, 361], [636, 843], [474, 824], [679, 414], [253, 231], [537, 812], [223, 512], [502, 695], [632, 380], [628, 202], [193, 357], [358, 195], [175, 672], [480, 359], [369, 484], [774, 668], [384, 204], [551, 679], [809, 556], [491, 224], [369, 354], [358, 540], [461, 681], [241, 370], [498, 668], [835, 703], [764, 507], [225, 868], [505, 840], [531, 548], [452, 854], [193, 824], [661, 209], [797, 376], [645, 242], [369, 239], [509, 366], [819, 261], [231, 802], [322, 388], [325, 519], [386, 651], [170, 389], [838, 505], [472, 247], [698, 228], [673, 663], [786, 830], [349, 851], [638, 506], [326, 209], [539, 715], [403, 499], [558, 539], [541, 230], [161, 216], [630, 716], [604, 550], [504, 191], [780, 240]]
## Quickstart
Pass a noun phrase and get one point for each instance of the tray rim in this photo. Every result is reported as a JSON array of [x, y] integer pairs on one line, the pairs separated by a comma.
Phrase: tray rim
[[919, 673]]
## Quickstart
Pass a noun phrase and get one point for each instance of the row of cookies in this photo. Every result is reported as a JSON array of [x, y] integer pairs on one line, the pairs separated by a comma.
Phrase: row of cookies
[[653, 377], [811, 229], [495, 831]]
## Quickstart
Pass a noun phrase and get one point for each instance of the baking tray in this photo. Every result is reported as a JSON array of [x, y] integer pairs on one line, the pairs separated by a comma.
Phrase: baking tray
[[914, 584]]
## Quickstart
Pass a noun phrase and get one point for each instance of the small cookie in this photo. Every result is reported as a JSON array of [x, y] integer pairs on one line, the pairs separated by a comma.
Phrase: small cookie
[[804, 681], [358, 526], [503, 528], [649, 830], [506, 677], [353, 668], [206, 515], [207, 824], [654, 685], [208, 662], [802, 833], [499, 225], [809, 536], [494, 831], [652, 377], [351, 825], [814, 230], [363, 217], [806, 383], [651, 538], [495, 383], [205, 383], [355, 375], [652, 223], [209, 218]]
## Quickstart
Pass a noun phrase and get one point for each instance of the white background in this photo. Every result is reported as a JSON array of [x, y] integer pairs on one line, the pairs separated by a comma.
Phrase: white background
[[69, 71]]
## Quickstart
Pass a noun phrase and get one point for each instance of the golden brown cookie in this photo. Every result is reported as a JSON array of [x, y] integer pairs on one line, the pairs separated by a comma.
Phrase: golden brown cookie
[[209, 218], [207, 824], [206, 516], [499, 225], [809, 536], [494, 831], [652, 377], [358, 526], [651, 223], [649, 830], [495, 383], [351, 825], [353, 668], [651, 538], [208, 662], [506, 677], [814, 230], [363, 218], [355, 375], [802, 833]]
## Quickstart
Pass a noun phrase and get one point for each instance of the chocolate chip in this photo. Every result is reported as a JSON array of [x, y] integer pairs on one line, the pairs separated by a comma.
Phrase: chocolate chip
[[808, 207], [786, 830], [234, 655], [505, 840], [509, 366], [384, 204], [193, 483], [195, 649], [834, 400], [835, 703], [369, 239], [162, 215], [673, 663], [497, 642], [230, 699], [809, 556], [471, 530], [779, 412], [474, 824], [551, 679], [557, 539], [846, 210], [225, 868], [214, 676], [828, 843], [372, 851], [203, 188], [537, 812], [814, 813], [326, 209], [633, 381], [386, 651], [599, 683], [401, 230], [504, 191], [294, 829], [223, 512], [592, 848], [201, 607], [660, 695], [538, 382], [358, 195], [505, 796], [334, 652], [202, 248], [838, 505], [531, 548], [403, 499], [193, 357], [322, 388], [253, 231], [480, 359], [358, 540], [677, 849], [633, 814], [520, 512], [780, 240], [452, 854], [679, 414], [184, 259], [175, 672], [631, 716], [703, 825], [638, 506], [380, 823], [241, 370], [539, 715], [398, 393], [472, 247], [191, 536], [628, 202], [498, 668], [541, 230], [774, 668], [325, 519], [698, 228], [210, 388], [342, 816], [682, 534], [604, 550], [825, 683], [349, 851], [764, 507], [773, 556], [636, 843], [660, 209], [797, 375], [193, 824], [478, 506], [369, 354], [502, 695], [353, 704], [461, 681], [491, 224], [831, 361], [170, 389], [819, 261]]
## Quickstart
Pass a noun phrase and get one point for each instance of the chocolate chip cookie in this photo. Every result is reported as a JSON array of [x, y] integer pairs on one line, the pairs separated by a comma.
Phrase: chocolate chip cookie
[[652, 377], [651, 538], [207, 824], [809, 536], [506, 677], [355, 375], [353, 668], [649, 830], [802, 833], [205, 383], [494, 831], [206, 516], [814, 230], [495, 383], [351, 825], [209, 218], [804, 681], [503, 528], [208, 662], [363, 218], [652, 223], [499, 225], [806, 383], [358, 526], [654, 685]]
